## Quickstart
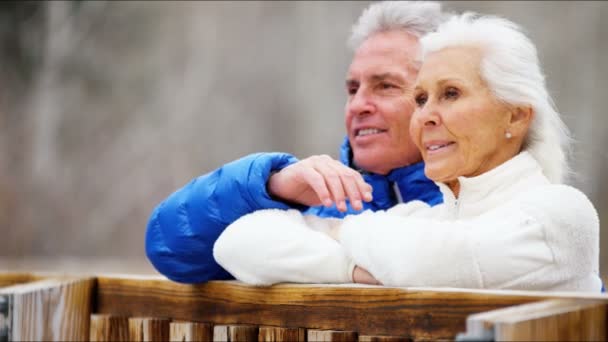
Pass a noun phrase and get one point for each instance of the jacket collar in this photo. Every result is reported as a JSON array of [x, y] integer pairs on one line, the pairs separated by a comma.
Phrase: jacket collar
[[410, 181], [480, 193]]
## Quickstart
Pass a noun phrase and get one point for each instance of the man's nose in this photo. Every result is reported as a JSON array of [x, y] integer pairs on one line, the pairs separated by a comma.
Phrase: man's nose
[[360, 104]]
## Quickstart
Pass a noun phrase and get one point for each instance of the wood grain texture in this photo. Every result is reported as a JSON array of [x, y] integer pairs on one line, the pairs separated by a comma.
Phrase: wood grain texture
[[148, 329], [549, 320], [276, 334], [368, 338], [10, 278], [4, 322], [190, 331], [331, 336], [232, 333], [56, 309], [571, 320], [109, 328], [420, 314]]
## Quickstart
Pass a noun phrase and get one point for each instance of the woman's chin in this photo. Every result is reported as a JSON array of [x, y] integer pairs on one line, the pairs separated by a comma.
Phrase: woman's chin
[[436, 173]]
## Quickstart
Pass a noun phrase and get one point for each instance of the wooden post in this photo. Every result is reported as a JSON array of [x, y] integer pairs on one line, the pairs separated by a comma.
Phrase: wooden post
[[574, 321], [109, 328], [232, 333], [148, 329], [276, 334], [55, 309], [368, 338], [550, 320], [190, 331], [331, 336], [4, 318]]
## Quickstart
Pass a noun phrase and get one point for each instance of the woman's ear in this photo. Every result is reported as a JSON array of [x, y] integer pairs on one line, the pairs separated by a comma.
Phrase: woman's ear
[[521, 118]]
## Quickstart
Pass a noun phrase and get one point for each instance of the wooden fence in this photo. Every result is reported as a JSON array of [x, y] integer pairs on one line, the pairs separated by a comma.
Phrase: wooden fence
[[123, 308]]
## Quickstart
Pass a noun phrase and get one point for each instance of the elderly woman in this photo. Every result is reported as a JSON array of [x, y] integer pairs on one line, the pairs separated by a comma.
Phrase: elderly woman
[[492, 141]]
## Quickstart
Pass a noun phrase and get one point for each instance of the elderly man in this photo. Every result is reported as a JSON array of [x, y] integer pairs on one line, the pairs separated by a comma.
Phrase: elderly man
[[380, 164]]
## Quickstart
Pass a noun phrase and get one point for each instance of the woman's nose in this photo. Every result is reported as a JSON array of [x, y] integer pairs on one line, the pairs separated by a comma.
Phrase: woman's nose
[[428, 116]]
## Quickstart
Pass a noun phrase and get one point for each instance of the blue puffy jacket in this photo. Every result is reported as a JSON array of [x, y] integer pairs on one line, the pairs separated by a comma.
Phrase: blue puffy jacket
[[183, 228]]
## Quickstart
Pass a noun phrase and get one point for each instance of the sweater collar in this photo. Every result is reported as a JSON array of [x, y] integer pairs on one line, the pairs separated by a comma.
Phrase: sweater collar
[[495, 187]]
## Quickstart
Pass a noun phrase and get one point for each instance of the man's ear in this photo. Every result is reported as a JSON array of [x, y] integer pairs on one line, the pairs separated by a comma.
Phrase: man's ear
[[521, 118]]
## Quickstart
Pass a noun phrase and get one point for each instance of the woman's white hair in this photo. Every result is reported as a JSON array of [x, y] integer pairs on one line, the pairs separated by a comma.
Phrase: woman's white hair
[[415, 17], [511, 69]]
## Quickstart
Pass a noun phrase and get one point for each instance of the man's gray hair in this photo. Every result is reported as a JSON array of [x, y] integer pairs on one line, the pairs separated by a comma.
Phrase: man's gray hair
[[511, 69], [415, 17]]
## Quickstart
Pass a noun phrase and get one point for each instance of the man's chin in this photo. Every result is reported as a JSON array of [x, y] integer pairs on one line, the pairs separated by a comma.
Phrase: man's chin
[[372, 162]]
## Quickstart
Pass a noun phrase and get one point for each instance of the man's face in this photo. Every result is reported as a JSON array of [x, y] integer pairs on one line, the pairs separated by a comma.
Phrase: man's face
[[380, 84]]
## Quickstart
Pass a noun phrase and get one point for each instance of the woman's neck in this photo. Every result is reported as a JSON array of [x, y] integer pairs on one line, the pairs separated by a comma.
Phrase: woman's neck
[[454, 185]]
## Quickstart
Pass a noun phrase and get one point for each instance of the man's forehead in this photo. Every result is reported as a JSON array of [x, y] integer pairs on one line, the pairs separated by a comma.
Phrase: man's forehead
[[377, 76], [394, 43], [382, 69], [393, 53]]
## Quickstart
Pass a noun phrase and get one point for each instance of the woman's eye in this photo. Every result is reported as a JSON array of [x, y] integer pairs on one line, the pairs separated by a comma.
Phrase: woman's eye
[[451, 93], [421, 100]]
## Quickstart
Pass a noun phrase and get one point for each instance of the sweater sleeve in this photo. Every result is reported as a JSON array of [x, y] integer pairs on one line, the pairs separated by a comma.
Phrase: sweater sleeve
[[274, 246], [489, 251], [183, 228]]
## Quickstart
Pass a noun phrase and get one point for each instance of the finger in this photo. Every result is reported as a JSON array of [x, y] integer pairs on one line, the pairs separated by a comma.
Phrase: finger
[[334, 183], [365, 189], [350, 184], [317, 182], [359, 190]]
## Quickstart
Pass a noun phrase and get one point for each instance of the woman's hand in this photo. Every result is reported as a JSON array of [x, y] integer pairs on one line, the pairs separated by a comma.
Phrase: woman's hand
[[362, 276], [320, 180]]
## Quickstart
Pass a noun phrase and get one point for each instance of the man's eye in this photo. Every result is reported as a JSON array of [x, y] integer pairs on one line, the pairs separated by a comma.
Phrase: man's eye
[[351, 90], [421, 99], [386, 86]]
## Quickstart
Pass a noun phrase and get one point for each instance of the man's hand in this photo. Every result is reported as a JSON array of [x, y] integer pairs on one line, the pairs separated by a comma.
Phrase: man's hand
[[362, 276], [320, 180]]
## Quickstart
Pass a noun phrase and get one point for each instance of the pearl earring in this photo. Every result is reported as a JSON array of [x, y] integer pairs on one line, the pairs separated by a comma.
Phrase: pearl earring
[[508, 135]]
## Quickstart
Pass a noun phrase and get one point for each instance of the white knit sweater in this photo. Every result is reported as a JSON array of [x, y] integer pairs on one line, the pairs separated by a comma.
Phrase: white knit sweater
[[509, 229]]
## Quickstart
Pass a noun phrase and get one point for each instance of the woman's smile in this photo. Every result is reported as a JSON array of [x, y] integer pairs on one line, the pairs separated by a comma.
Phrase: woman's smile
[[436, 147]]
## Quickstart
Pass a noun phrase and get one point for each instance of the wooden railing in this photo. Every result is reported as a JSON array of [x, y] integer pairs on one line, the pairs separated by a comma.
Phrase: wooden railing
[[123, 308]]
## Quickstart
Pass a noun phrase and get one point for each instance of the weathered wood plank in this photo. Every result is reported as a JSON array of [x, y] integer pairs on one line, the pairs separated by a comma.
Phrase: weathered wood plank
[[233, 333], [276, 334], [331, 336], [190, 331], [573, 321], [10, 278], [148, 329], [55, 309], [550, 320], [109, 328], [412, 313], [4, 323], [220, 333], [368, 338]]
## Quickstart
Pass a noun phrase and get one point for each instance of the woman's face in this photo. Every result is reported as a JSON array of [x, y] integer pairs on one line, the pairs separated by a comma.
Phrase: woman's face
[[458, 125]]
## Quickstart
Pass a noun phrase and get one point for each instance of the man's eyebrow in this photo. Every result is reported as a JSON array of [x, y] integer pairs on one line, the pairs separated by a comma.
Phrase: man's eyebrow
[[384, 76], [351, 83]]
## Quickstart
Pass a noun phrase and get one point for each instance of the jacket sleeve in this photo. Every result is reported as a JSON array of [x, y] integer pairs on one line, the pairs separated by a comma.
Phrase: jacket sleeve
[[530, 243], [183, 228], [274, 246]]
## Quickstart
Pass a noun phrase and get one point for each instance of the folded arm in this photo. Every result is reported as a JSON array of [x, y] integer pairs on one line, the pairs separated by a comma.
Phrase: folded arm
[[274, 246], [183, 228]]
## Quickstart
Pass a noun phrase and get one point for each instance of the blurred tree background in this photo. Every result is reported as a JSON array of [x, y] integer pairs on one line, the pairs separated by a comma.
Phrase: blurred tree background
[[107, 107]]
